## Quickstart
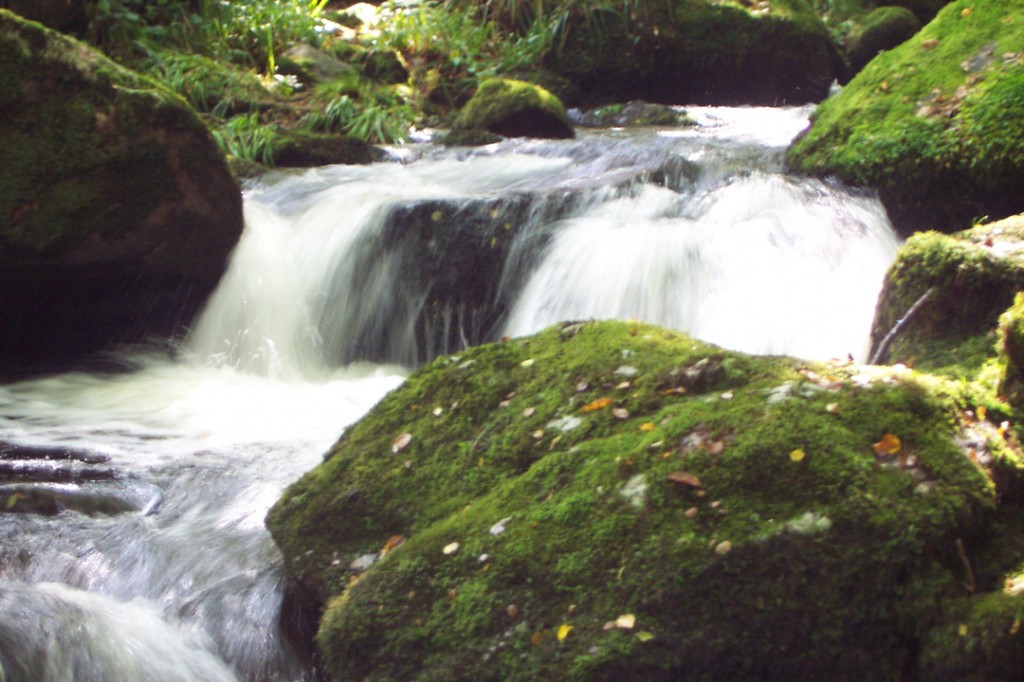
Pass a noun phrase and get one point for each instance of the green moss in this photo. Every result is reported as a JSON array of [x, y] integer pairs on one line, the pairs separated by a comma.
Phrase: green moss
[[80, 118], [565, 513], [981, 640], [921, 123], [514, 108], [881, 29], [953, 331], [696, 51]]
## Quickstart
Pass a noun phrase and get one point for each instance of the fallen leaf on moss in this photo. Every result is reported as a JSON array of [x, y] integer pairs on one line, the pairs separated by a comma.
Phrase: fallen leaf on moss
[[723, 548], [982, 412], [450, 548], [393, 541], [537, 637], [645, 636], [596, 405], [714, 447], [621, 413], [626, 621], [797, 455], [401, 442], [647, 426], [1015, 628], [529, 412], [527, 363], [563, 631], [684, 478], [889, 445]]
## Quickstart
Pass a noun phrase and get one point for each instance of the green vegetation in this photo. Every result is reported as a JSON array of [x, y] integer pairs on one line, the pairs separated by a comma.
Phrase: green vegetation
[[953, 332], [417, 65], [511, 107], [936, 117], [617, 501]]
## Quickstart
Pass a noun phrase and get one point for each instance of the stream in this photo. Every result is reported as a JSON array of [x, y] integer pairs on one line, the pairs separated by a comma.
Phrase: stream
[[141, 552]]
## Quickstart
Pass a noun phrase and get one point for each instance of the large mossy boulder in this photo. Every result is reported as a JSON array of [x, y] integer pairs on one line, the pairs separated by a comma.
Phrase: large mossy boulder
[[514, 108], [701, 52], [936, 124], [879, 30], [615, 501], [943, 295], [117, 211]]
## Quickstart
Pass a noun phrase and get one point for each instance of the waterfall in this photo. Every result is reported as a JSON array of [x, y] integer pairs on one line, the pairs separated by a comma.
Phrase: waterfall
[[141, 553], [762, 264], [696, 230]]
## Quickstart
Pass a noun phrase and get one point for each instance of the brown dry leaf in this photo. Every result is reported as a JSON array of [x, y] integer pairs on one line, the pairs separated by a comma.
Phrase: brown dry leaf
[[715, 447], [537, 637], [596, 405], [393, 541], [684, 478], [889, 445], [930, 44], [401, 442]]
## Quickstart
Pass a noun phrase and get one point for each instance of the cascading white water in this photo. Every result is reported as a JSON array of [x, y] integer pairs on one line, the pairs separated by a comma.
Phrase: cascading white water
[[693, 228], [762, 264]]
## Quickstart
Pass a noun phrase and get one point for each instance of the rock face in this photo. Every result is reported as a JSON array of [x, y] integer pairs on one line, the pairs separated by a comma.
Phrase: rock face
[[117, 211], [970, 282], [881, 29], [513, 108], [611, 501], [934, 124], [703, 52]]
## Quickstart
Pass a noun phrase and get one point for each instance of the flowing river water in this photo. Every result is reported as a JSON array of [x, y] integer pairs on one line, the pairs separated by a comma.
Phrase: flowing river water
[[144, 555]]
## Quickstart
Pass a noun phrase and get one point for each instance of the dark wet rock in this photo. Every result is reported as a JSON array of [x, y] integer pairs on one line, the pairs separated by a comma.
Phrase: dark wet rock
[[701, 52], [117, 210]]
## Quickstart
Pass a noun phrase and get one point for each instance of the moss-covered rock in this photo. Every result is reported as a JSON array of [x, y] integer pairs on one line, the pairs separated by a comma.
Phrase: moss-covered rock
[[304, 149], [835, 12], [634, 114], [514, 108], [312, 65], [702, 51], [970, 282], [1011, 347], [934, 124], [609, 501], [117, 210], [981, 640], [879, 30]]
